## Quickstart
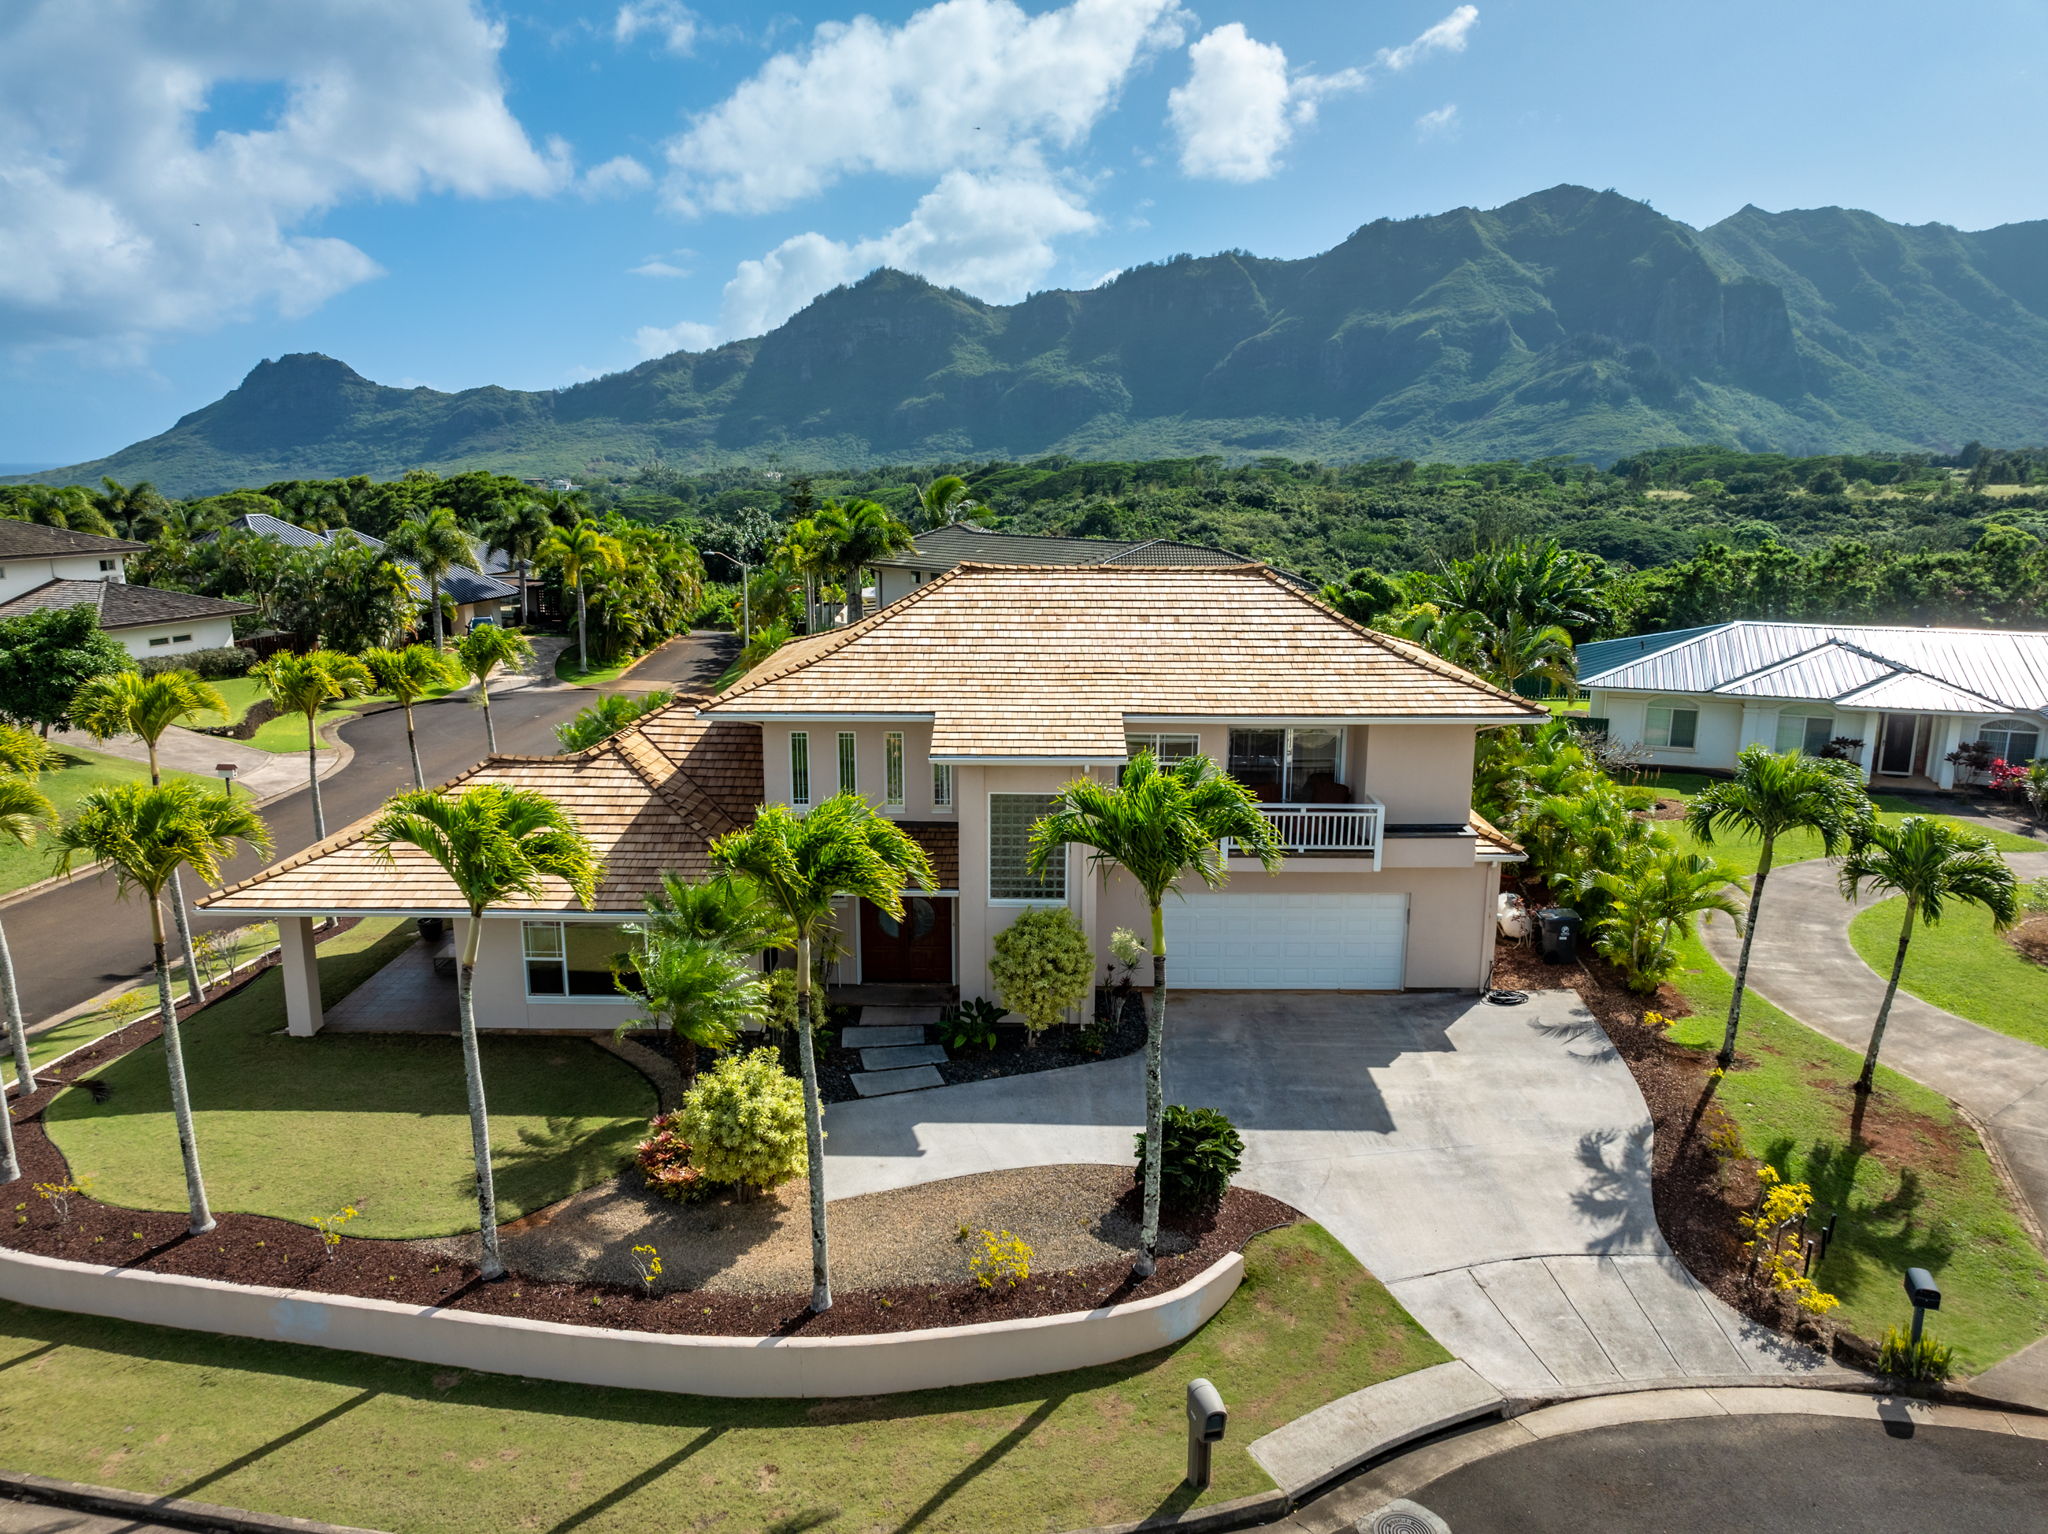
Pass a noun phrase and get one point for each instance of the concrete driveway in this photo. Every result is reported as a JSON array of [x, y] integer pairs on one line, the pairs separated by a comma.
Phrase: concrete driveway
[[1490, 1164]]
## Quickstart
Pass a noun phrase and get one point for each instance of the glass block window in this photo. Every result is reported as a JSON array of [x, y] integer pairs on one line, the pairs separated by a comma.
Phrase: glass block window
[[892, 770], [1809, 733], [799, 768], [1010, 819], [942, 785], [849, 756]]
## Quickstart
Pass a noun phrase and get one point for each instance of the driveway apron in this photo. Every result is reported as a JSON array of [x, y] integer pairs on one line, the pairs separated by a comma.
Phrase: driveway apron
[[1490, 1164]]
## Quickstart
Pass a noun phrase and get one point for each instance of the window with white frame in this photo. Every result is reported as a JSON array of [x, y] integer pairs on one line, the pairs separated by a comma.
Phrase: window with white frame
[[1809, 733], [572, 959], [849, 762], [799, 768], [1010, 819], [1674, 726], [2011, 740], [1168, 748], [892, 770], [942, 785], [106, 565]]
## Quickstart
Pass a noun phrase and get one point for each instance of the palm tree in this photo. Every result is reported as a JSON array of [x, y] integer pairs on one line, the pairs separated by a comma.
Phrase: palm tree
[[125, 506], [305, 684], [1650, 907], [944, 500], [519, 526], [409, 675], [853, 533], [1931, 863], [483, 650], [144, 835], [1160, 824], [801, 864], [699, 989], [435, 543], [579, 550], [1768, 796], [24, 810], [1516, 648], [129, 703], [493, 841]]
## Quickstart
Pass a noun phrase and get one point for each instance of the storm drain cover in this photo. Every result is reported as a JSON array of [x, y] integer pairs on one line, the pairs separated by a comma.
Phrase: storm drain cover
[[1402, 1517]]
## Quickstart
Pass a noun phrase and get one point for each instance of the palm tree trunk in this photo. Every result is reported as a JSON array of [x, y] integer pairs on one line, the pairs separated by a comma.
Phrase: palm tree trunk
[[1155, 1099], [195, 982], [17, 1030], [10, 1163], [525, 603], [434, 608], [1868, 1079], [412, 746], [313, 778], [181, 1097], [479, 1117], [854, 610], [814, 1131], [483, 692], [1756, 898], [582, 631]]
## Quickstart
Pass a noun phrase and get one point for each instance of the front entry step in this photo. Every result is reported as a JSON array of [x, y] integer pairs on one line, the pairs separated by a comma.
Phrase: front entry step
[[914, 1078], [906, 1054], [863, 1036]]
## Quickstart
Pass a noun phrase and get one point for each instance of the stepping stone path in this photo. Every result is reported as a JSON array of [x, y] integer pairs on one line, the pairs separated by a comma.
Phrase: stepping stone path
[[894, 1056]]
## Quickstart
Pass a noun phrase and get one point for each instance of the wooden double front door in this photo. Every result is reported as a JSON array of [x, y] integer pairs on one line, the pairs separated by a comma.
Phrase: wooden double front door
[[914, 951]]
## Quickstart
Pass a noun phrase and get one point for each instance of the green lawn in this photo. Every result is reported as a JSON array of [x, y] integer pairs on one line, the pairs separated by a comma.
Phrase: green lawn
[[239, 693], [299, 1127], [287, 732], [387, 1445], [1915, 1189], [566, 669], [83, 770], [1960, 964]]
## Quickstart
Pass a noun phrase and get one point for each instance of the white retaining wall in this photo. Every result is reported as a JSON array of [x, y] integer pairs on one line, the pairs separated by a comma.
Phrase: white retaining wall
[[711, 1366]]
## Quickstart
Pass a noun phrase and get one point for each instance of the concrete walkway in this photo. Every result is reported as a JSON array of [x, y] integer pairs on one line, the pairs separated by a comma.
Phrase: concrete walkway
[[265, 774], [1803, 962], [1489, 1164]]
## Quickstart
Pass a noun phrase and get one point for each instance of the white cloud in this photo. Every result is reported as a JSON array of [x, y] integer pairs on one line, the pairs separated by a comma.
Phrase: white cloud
[[990, 234], [120, 219], [1442, 123], [1240, 108], [657, 267], [1447, 36], [614, 178], [962, 84], [673, 25]]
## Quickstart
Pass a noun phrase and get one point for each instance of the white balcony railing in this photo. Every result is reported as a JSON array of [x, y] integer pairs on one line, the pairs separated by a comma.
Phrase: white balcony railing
[[1350, 829]]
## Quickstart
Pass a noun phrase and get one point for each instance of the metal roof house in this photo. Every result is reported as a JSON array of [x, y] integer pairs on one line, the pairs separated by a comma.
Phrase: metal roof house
[[963, 543], [1909, 696]]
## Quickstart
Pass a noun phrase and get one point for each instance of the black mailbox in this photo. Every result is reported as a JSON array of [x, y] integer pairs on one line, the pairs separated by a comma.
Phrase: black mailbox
[[1557, 933], [1920, 1289]]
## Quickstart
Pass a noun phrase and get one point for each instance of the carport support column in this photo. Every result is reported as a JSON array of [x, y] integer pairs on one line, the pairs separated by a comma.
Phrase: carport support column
[[303, 1015]]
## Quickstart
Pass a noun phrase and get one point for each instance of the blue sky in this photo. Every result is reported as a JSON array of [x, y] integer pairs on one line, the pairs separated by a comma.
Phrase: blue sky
[[446, 193]]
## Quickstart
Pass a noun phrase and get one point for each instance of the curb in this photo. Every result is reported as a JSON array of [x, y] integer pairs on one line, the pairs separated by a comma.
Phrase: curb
[[176, 1511]]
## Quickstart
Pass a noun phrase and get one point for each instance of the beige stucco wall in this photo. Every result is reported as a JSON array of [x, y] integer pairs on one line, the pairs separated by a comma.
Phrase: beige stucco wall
[[498, 987]]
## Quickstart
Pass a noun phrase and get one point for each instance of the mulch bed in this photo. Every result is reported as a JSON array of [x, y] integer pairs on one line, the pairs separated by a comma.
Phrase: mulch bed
[[1057, 1048]]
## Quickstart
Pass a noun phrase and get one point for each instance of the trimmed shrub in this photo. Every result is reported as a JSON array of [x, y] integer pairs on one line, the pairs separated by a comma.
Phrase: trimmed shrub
[[208, 665], [1042, 967], [744, 1123], [664, 1160], [1203, 1152]]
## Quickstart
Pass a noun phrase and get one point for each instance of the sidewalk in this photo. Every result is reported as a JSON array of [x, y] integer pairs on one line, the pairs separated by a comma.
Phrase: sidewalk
[[266, 774], [1802, 961]]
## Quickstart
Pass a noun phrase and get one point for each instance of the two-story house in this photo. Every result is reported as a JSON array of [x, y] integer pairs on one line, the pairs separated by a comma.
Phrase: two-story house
[[47, 567], [959, 711]]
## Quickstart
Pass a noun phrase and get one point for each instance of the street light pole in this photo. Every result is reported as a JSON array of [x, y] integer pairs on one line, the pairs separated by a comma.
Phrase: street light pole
[[746, 602]]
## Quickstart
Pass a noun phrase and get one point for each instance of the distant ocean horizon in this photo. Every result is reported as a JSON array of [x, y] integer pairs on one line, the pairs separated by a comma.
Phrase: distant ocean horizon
[[27, 468]]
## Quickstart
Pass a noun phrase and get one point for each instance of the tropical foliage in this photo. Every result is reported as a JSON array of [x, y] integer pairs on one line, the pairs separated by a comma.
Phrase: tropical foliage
[[1203, 1151], [1043, 968], [46, 656], [745, 1123], [610, 714]]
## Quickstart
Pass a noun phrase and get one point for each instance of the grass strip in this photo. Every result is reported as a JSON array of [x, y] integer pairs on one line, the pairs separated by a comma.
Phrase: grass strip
[[82, 770], [1961, 964]]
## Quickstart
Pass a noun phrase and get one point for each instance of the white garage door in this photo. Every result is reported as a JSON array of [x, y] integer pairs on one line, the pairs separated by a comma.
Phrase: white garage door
[[1243, 942]]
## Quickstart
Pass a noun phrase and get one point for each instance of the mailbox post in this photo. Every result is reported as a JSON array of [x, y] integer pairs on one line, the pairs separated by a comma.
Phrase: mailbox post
[[1207, 1418], [1925, 1296]]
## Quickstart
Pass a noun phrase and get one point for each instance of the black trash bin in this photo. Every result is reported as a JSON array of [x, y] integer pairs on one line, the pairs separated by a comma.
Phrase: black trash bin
[[1557, 935]]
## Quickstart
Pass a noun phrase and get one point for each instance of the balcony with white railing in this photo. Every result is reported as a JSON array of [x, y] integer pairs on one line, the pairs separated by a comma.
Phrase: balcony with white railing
[[1328, 830]]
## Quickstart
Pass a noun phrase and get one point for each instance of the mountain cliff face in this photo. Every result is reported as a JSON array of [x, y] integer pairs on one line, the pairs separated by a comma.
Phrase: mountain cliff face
[[1570, 321]]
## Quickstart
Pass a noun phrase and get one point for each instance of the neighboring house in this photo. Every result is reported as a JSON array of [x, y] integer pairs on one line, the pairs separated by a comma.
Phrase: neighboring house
[[1696, 697], [474, 593], [958, 712], [47, 567], [960, 543], [33, 555]]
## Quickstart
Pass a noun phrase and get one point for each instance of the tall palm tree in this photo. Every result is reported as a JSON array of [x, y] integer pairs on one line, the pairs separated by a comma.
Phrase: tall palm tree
[[493, 841], [1160, 824], [409, 675], [305, 684], [1516, 647], [699, 989], [129, 703], [580, 551], [125, 506], [853, 533], [482, 651], [801, 864], [1768, 796], [519, 526], [144, 835], [1932, 864], [24, 810], [729, 909], [944, 500], [435, 543]]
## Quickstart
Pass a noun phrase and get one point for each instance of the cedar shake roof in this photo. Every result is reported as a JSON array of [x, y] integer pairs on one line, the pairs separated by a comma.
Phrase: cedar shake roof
[[32, 540], [1492, 834], [120, 605], [958, 543], [1016, 663]]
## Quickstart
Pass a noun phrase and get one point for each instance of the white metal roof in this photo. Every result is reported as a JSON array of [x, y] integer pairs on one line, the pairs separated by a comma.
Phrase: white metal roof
[[1917, 670]]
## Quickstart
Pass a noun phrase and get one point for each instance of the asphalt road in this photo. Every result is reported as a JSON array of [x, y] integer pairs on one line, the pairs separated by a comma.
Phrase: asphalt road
[[72, 942], [1736, 1475]]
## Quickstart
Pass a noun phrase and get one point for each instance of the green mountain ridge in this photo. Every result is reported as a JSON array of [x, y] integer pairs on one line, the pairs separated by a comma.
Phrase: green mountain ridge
[[1567, 322]]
